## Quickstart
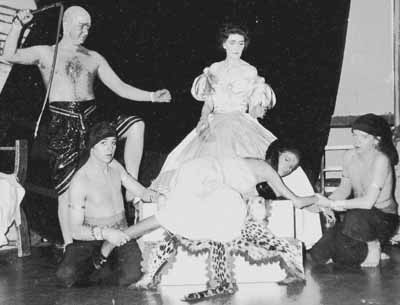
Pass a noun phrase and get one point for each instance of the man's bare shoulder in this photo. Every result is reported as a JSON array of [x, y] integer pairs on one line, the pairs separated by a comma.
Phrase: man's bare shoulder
[[45, 51], [382, 160], [81, 50], [115, 165], [349, 159], [80, 179], [91, 53]]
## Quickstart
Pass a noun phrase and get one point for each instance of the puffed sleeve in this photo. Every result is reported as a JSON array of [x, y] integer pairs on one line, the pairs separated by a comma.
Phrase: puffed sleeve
[[202, 87], [262, 96]]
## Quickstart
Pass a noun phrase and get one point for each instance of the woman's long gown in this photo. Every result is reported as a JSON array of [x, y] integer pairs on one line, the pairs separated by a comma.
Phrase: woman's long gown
[[205, 200], [205, 208], [235, 133]]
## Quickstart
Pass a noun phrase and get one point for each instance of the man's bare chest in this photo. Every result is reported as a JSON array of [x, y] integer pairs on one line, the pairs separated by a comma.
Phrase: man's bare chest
[[74, 66], [360, 173]]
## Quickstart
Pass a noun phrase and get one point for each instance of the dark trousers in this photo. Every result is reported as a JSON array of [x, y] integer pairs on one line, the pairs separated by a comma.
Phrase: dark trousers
[[346, 241], [123, 266]]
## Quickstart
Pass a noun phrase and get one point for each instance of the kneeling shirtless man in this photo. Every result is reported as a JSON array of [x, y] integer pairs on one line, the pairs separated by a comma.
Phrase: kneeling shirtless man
[[97, 214]]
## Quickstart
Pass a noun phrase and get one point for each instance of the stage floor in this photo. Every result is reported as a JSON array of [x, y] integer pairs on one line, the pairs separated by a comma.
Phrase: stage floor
[[31, 281]]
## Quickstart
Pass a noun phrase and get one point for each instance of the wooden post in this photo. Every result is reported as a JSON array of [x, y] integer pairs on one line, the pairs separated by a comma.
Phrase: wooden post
[[396, 53], [396, 38]]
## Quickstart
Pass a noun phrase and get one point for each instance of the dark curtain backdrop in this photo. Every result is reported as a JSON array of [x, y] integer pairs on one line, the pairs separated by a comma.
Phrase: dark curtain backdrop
[[297, 45]]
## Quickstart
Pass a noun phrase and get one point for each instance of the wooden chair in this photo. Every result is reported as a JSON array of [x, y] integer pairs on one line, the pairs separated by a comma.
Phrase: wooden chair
[[20, 153]]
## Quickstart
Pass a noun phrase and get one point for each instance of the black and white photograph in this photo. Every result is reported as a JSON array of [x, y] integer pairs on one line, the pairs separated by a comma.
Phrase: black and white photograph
[[199, 152]]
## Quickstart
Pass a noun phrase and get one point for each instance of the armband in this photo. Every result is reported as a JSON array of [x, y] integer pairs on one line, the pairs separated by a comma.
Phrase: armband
[[152, 97], [71, 206]]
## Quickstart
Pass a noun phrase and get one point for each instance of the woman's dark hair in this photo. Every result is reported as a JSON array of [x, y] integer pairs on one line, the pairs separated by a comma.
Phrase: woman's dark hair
[[228, 29], [378, 127], [272, 157], [276, 148]]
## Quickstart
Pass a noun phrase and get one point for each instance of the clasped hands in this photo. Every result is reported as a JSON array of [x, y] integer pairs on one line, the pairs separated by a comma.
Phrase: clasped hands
[[115, 236], [150, 195], [337, 205], [328, 207]]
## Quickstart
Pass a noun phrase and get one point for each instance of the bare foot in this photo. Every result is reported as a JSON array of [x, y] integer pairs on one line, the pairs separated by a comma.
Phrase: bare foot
[[292, 280], [145, 283], [374, 254]]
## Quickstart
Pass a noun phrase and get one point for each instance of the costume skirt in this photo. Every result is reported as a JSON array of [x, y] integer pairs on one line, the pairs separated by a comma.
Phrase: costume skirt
[[67, 133]]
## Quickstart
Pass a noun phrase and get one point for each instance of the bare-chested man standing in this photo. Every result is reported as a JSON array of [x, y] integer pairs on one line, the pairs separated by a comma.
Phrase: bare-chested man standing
[[97, 214], [72, 99]]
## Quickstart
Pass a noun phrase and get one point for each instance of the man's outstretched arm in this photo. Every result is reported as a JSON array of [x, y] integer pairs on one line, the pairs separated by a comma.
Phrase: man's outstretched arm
[[26, 56], [112, 81]]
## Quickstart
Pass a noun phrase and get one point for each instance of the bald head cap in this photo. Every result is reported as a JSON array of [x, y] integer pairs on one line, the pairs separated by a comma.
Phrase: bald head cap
[[74, 15]]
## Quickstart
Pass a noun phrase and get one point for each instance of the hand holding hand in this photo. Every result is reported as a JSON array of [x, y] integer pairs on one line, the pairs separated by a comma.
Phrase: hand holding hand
[[161, 96], [337, 205], [150, 195], [323, 201], [116, 237]]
